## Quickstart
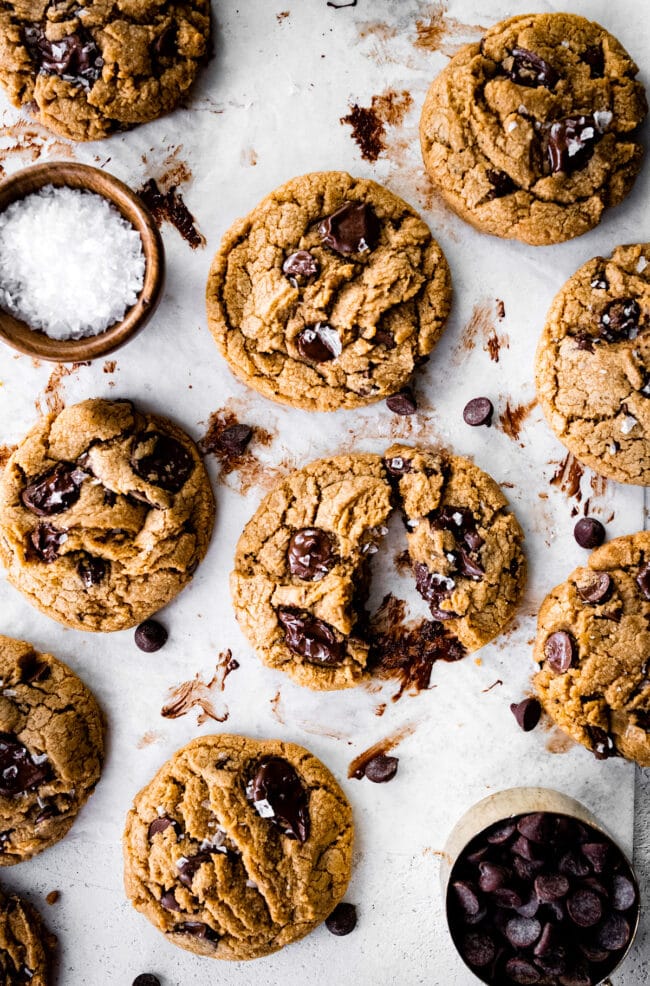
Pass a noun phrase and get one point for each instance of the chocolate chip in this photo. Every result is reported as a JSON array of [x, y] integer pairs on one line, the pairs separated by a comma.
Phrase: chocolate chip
[[560, 650], [508, 898], [91, 570], [578, 976], [403, 402], [110, 498], [502, 184], [535, 827], [529, 69], [234, 439], [547, 940], [161, 460], [398, 465], [310, 554], [585, 908], [598, 590], [46, 542], [614, 933], [623, 893], [169, 902], [643, 580], [381, 769], [527, 849], [620, 320], [602, 744], [551, 886], [466, 897], [342, 920], [597, 853], [278, 795], [592, 952], [521, 971], [18, 770], [301, 264], [162, 823], [150, 636], [571, 142], [75, 58], [478, 949], [311, 638], [196, 929], [574, 865], [55, 491], [527, 713], [523, 932], [492, 877], [584, 342], [146, 979], [478, 411], [501, 833], [589, 533], [319, 343], [190, 866], [594, 57], [354, 228]]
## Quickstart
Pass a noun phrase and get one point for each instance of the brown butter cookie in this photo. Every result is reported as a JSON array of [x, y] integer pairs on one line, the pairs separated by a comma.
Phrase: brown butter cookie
[[26, 948]]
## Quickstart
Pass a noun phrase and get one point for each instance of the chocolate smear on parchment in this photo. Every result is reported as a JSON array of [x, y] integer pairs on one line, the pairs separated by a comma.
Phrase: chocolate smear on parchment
[[567, 477], [512, 419], [435, 31], [197, 692], [160, 193], [230, 441], [357, 767], [51, 400], [369, 122]]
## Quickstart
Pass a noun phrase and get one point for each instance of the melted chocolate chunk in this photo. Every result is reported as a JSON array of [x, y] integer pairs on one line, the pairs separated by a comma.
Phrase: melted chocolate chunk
[[466, 565], [527, 68], [398, 465], [197, 930], [433, 588], [310, 554], [162, 823], [595, 59], [75, 58], [18, 771], [560, 651], [620, 320], [46, 542], [150, 636], [478, 412], [32, 668], [92, 570], [501, 182], [300, 266], [602, 745], [48, 811], [161, 460], [385, 338], [169, 902], [403, 402], [460, 522], [643, 580], [319, 343], [571, 143], [277, 794], [165, 44], [55, 491], [190, 866], [342, 920], [584, 341], [311, 638], [597, 591], [354, 228]]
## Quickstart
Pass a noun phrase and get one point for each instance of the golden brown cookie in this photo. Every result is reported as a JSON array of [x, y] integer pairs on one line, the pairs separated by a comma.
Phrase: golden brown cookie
[[238, 847], [88, 69], [593, 642], [328, 294], [26, 948], [593, 365], [105, 513], [51, 749], [530, 133]]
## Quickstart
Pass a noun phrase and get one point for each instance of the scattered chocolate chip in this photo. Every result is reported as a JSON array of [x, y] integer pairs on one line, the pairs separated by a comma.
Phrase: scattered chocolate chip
[[196, 929], [398, 465], [527, 713], [620, 320], [614, 933], [277, 794], [18, 770], [161, 460], [75, 58], [529, 69], [354, 228], [403, 402], [146, 979], [311, 638], [55, 491], [571, 143], [310, 554], [234, 439], [594, 57], [319, 343], [301, 264], [478, 411], [160, 824], [643, 580], [560, 651], [91, 570], [150, 636], [342, 920], [623, 893], [589, 533], [502, 184], [478, 949], [598, 590], [381, 768]]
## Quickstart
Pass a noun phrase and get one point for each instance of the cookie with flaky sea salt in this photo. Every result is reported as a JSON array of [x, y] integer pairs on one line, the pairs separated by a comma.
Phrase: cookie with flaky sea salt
[[592, 646], [531, 133], [328, 294], [238, 847], [593, 365], [105, 513], [51, 749], [87, 69], [26, 947]]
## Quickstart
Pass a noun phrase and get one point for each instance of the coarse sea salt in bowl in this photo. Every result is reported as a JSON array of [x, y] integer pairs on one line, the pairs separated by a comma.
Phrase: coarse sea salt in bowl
[[93, 288]]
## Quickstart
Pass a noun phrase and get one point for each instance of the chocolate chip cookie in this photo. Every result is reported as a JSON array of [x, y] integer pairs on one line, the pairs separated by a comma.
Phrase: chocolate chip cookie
[[531, 133], [238, 846], [51, 749], [593, 642], [593, 365], [301, 576], [328, 294], [26, 948], [87, 69], [105, 513]]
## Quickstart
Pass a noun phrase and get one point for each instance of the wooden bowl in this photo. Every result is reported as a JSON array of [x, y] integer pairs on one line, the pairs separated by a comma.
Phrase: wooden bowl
[[35, 343]]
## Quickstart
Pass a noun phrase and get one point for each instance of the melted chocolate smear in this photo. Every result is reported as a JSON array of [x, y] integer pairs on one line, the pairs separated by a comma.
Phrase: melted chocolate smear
[[75, 58], [161, 460], [318, 343], [46, 542], [354, 228], [527, 68], [18, 772], [278, 795], [571, 143], [170, 207], [310, 554], [311, 638], [55, 491]]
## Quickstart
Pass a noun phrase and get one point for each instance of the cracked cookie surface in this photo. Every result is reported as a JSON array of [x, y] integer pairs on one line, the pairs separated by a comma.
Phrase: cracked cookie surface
[[530, 134], [51, 749], [301, 576], [87, 69], [592, 645], [328, 294], [26, 947], [238, 847], [593, 364], [105, 513]]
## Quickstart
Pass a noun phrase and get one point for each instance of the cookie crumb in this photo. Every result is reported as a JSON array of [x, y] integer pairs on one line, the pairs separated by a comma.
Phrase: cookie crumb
[[53, 896]]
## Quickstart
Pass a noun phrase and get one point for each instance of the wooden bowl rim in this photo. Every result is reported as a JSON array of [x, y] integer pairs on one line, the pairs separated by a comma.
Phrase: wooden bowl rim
[[72, 174]]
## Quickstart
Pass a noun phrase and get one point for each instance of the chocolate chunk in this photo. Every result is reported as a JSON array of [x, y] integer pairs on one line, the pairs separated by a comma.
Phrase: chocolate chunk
[[466, 897], [589, 533], [397, 466], [571, 143], [311, 638], [75, 58], [403, 402], [492, 877], [162, 823], [48, 811], [383, 337], [584, 341], [433, 588], [301, 264], [521, 971], [478, 411], [165, 44], [146, 979], [150, 636], [620, 320], [527, 713], [169, 902], [91, 570], [560, 650], [55, 491], [502, 184], [643, 580], [523, 932], [354, 228], [319, 343], [478, 949], [529, 69], [597, 853], [32, 668], [595, 59], [46, 542], [278, 795], [234, 439], [381, 769], [623, 893], [310, 554], [598, 590], [460, 522], [602, 744], [600, 282], [466, 565], [18, 770], [197, 930], [161, 460], [614, 933], [342, 920], [551, 886], [110, 498], [190, 866]]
